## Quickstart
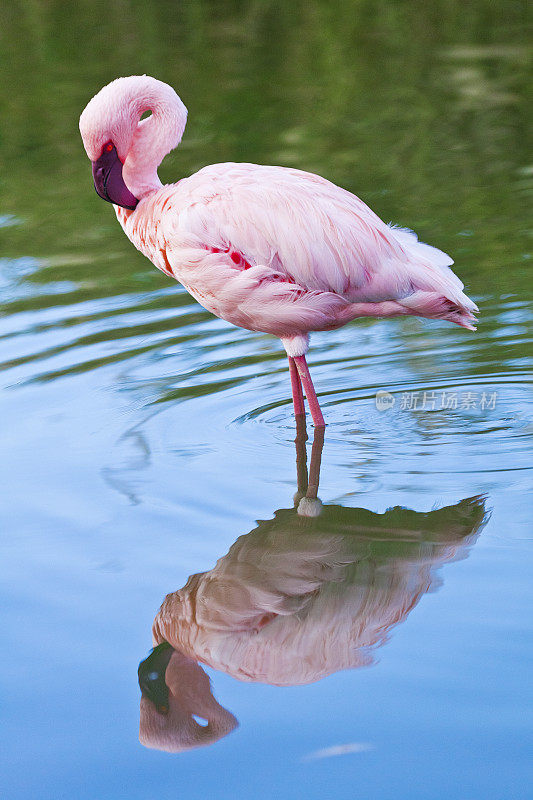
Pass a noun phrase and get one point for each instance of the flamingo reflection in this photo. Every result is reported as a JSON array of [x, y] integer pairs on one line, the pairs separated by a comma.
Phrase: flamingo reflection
[[312, 591]]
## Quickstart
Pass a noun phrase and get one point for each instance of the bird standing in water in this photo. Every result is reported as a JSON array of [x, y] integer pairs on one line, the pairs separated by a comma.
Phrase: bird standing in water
[[267, 248]]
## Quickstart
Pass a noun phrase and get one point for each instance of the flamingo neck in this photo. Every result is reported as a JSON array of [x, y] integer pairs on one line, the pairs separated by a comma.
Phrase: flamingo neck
[[153, 138]]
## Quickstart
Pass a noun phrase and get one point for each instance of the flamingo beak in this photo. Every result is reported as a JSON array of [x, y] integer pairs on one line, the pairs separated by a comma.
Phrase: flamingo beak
[[151, 675], [108, 180]]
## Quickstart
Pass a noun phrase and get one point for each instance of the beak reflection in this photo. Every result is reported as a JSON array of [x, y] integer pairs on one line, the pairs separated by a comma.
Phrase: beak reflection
[[151, 674]]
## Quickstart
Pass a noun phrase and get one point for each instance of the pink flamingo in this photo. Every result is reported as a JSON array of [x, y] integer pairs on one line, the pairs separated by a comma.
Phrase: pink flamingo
[[267, 248]]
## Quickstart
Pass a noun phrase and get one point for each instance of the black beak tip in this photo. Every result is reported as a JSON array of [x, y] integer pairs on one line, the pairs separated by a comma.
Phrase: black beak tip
[[109, 183]]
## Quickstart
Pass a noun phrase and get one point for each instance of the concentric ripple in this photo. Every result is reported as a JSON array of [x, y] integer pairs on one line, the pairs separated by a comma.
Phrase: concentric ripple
[[451, 397]]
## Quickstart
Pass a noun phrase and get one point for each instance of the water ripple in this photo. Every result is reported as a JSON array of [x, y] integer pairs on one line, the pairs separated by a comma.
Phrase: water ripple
[[165, 351]]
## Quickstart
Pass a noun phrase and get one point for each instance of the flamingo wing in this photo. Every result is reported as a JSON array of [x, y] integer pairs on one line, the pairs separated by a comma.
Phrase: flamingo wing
[[314, 232], [286, 243]]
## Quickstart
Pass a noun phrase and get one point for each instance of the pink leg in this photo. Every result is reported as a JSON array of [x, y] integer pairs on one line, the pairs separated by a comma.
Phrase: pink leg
[[309, 389], [296, 386]]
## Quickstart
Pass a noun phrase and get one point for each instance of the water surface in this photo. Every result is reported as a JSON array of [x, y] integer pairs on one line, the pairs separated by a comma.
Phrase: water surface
[[143, 440]]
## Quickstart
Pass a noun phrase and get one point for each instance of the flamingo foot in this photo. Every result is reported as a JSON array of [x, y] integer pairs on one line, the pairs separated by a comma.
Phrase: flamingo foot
[[309, 389]]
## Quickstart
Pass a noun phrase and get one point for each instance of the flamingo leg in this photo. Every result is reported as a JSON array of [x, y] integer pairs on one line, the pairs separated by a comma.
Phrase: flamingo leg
[[309, 389], [297, 392]]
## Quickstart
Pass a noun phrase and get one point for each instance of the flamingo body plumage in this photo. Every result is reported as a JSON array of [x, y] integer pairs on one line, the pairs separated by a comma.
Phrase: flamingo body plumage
[[267, 248]]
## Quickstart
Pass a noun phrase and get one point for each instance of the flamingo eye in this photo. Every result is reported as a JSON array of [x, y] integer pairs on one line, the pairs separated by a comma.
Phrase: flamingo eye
[[109, 147]]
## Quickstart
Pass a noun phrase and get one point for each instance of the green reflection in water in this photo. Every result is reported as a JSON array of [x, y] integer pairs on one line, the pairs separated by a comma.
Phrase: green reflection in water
[[419, 108]]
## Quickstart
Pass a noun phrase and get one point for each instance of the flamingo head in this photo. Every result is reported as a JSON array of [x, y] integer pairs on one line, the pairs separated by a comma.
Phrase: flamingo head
[[124, 149]]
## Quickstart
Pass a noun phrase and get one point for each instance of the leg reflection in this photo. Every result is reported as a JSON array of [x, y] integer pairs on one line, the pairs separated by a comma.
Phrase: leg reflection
[[306, 499]]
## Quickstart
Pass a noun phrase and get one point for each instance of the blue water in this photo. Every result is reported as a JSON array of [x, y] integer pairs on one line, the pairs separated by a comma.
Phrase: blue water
[[141, 437]]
